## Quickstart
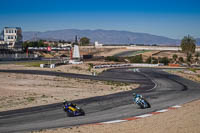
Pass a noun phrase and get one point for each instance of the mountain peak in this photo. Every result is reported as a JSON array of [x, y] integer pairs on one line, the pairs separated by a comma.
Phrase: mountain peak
[[103, 36]]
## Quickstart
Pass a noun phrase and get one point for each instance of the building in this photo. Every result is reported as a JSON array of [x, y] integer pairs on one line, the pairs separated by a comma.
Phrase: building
[[62, 45], [97, 44], [12, 37]]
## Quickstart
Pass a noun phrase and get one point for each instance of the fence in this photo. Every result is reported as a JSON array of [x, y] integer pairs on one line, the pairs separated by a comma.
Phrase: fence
[[126, 65], [17, 56]]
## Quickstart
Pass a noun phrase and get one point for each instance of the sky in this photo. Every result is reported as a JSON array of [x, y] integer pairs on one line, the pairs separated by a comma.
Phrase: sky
[[170, 18]]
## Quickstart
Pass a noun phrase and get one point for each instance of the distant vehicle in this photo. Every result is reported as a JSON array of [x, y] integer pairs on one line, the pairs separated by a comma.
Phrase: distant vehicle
[[72, 109], [139, 100]]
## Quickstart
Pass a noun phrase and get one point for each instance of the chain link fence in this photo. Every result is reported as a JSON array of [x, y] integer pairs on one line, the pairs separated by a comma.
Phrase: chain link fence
[[17, 56]]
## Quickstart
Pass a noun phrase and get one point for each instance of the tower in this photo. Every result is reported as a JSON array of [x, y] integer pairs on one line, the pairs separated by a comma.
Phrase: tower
[[76, 52], [13, 37]]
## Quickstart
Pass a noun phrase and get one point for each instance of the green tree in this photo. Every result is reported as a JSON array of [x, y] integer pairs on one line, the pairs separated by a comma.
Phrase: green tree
[[175, 56], [180, 59], [112, 58], [189, 57], [154, 60], [84, 41], [136, 59], [164, 60], [188, 45]]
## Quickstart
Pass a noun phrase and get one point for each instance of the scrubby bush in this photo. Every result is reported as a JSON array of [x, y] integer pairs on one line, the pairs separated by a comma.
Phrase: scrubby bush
[[175, 56], [136, 59], [154, 60], [112, 58], [180, 59], [164, 60], [148, 60]]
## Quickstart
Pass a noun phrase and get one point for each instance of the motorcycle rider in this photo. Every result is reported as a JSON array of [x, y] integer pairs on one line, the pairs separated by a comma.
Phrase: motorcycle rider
[[136, 97], [66, 103]]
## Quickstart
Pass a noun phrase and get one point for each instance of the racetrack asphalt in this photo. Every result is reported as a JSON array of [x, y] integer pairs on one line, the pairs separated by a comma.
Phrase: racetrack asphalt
[[161, 89]]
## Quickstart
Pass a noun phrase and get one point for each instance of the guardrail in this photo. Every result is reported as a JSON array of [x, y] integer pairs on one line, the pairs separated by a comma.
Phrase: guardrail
[[52, 48], [51, 65], [126, 65], [17, 56]]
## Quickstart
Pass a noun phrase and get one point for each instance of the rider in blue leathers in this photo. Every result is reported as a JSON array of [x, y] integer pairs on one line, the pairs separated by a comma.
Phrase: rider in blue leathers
[[136, 97]]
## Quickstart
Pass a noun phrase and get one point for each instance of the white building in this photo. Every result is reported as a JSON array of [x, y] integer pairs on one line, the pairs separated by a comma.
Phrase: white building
[[64, 45], [12, 37], [97, 44]]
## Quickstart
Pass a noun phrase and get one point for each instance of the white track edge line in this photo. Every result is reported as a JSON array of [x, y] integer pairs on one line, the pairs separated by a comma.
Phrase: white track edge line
[[143, 116], [115, 121], [176, 106], [162, 111]]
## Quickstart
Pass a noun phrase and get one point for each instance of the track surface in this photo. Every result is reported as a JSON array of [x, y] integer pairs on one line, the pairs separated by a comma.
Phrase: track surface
[[169, 90]]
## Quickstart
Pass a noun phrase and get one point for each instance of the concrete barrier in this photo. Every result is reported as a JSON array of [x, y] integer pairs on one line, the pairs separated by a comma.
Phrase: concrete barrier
[[126, 65]]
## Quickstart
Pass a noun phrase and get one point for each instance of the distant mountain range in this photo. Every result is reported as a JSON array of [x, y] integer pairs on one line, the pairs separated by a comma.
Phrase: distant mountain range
[[103, 36]]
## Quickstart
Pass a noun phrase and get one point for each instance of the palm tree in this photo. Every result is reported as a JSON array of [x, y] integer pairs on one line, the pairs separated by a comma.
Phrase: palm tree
[[188, 45]]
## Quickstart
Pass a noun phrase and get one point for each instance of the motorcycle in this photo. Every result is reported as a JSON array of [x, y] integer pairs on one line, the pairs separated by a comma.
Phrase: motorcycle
[[72, 109], [143, 103]]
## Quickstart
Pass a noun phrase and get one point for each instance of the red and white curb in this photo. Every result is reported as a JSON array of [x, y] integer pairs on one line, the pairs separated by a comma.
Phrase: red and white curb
[[140, 116]]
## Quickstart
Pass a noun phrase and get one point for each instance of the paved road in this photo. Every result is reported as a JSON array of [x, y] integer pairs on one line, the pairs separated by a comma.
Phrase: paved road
[[169, 90]]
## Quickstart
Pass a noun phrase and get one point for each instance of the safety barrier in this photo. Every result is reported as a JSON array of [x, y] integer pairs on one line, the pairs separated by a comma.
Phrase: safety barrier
[[126, 65]]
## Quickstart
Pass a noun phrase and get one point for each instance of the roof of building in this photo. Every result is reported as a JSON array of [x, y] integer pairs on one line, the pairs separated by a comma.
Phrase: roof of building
[[12, 27]]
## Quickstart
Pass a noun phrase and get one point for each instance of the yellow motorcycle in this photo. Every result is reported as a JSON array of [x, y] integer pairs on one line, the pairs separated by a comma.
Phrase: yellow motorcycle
[[72, 109]]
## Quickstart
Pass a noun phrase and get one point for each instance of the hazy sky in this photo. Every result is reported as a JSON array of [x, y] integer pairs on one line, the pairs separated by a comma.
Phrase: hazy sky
[[171, 18]]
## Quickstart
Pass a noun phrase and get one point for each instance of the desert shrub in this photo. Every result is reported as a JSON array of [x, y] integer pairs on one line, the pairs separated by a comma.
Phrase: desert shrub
[[180, 59], [112, 58], [164, 60], [148, 60], [154, 60], [136, 59]]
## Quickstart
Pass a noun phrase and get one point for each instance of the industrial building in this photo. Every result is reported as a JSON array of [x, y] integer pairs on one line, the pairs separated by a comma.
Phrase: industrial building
[[11, 38]]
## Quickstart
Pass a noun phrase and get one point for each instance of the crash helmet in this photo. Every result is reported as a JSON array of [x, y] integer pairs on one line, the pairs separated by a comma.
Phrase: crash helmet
[[134, 94], [65, 102]]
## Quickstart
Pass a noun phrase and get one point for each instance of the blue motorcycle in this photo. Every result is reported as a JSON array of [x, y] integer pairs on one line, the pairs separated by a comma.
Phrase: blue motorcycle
[[139, 100], [72, 109]]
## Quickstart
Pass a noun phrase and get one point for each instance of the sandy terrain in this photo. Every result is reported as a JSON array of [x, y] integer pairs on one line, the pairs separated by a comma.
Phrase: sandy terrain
[[145, 55], [182, 120], [19, 91], [169, 54], [112, 52], [103, 51], [70, 68], [195, 76], [80, 69]]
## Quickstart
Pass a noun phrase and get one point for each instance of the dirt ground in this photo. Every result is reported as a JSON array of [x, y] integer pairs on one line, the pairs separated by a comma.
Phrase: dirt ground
[[103, 51], [25, 90], [191, 75], [80, 69], [148, 54], [169, 54], [182, 120]]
